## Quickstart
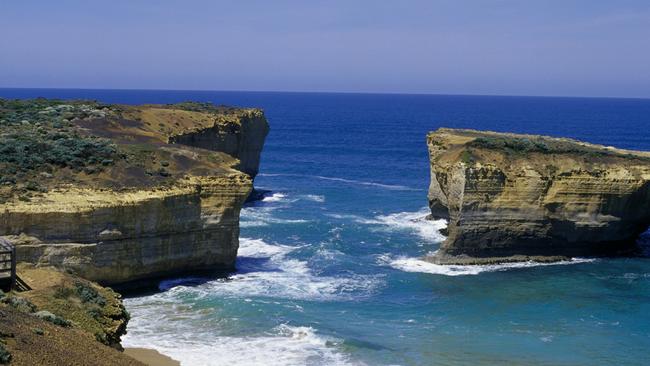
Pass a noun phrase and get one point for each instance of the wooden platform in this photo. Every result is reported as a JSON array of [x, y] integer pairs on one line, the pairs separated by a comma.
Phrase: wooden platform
[[7, 265]]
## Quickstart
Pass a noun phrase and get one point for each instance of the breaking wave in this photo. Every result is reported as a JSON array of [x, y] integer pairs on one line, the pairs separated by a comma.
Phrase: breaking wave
[[275, 197], [285, 345], [267, 270], [415, 222], [174, 327]]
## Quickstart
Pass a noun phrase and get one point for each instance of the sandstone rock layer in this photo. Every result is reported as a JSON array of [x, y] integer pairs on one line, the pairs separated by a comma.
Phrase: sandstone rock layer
[[169, 202], [515, 197]]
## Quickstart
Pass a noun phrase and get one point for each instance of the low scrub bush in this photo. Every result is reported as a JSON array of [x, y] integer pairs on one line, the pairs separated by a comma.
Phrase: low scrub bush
[[54, 319], [88, 294], [522, 145], [37, 133], [26, 150], [5, 356], [20, 304]]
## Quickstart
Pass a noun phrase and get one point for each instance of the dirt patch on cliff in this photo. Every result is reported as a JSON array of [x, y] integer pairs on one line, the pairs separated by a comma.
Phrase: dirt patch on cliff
[[32, 341], [61, 319], [96, 310]]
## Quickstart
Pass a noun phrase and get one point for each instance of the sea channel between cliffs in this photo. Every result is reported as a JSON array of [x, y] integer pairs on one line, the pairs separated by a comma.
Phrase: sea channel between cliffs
[[330, 265]]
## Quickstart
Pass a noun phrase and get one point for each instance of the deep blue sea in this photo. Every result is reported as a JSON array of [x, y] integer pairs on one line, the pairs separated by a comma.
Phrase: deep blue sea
[[328, 268]]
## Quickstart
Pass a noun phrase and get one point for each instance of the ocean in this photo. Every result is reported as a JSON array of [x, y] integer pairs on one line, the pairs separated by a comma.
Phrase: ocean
[[329, 270]]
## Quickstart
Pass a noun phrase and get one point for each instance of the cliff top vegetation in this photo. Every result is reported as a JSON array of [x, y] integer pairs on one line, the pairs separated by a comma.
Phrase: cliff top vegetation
[[484, 146], [46, 144]]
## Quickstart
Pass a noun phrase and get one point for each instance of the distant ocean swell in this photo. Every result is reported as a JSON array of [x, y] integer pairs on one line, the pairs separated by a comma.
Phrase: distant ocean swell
[[343, 180]]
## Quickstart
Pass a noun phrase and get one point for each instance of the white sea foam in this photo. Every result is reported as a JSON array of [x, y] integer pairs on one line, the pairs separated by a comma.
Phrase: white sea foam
[[258, 248], [195, 337], [263, 216], [266, 270], [313, 197], [355, 218], [418, 265], [283, 345], [275, 197], [415, 222]]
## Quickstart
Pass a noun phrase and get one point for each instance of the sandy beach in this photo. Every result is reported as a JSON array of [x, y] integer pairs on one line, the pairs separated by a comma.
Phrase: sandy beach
[[151, 357]]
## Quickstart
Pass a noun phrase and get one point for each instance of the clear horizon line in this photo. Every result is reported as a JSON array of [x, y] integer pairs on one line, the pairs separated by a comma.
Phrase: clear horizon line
[[331, 92]]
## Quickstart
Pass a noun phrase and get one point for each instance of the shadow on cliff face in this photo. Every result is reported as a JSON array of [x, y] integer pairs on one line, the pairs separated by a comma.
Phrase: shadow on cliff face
[[257, 194], [155, 285], [644, 243]]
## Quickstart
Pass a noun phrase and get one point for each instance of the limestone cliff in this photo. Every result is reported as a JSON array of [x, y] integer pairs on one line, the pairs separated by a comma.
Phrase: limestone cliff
[[241, 136], [140, 191], [513, 197]]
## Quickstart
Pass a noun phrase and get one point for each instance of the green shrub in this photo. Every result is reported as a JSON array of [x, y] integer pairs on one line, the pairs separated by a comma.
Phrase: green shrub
[[522, 145], [37, 132], [20, 304], [466, 157], [63, 292], [95, 313], [32, 186], [101, 337], [88, 294], [5, 356], [54, 319], [27, 150]]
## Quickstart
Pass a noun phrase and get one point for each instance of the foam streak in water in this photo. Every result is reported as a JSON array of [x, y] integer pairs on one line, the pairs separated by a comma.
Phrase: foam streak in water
[[422, 266], [343, 180], [263, 216]]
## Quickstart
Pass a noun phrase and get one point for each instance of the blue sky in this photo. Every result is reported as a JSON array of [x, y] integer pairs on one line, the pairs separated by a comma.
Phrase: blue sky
[[511, 47]]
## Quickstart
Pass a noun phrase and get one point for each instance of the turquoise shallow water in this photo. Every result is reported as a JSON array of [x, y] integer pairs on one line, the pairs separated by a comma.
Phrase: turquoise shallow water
[[328, 271]]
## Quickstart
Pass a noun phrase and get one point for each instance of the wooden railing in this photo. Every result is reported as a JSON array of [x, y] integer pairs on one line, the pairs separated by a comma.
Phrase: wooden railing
[[7, 264]]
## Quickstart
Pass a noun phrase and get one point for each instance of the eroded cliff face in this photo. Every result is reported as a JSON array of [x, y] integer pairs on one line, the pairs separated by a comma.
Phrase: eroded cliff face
[[515, 197], [114, 237], [168, 203], [241, 137]]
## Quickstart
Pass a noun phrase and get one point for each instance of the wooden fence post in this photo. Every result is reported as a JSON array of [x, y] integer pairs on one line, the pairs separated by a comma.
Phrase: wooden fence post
[[13, 267]]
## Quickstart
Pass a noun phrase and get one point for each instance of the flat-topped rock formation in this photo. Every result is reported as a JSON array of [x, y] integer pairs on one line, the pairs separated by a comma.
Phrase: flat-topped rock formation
[[118, 193], [511, 197]]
